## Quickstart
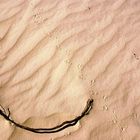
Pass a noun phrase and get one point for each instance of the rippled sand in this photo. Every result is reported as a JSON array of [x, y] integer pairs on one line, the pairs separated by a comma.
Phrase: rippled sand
[[55, 54]]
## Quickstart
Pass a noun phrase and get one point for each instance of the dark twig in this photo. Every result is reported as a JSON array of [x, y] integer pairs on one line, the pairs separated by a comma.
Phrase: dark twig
[[53, 129], [3, 108], [9, 112]]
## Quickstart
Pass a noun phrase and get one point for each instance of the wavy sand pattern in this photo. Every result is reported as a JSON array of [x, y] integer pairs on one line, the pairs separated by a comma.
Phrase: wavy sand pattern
[[55, 54]]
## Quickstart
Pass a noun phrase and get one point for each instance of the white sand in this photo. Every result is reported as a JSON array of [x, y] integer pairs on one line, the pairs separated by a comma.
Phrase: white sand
[[55, 54]]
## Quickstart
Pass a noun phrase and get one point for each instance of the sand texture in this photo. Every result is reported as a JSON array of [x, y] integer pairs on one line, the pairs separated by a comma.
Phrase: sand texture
[[56, 54]]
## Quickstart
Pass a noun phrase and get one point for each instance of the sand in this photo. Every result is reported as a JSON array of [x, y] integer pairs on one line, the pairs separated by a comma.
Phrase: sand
[[56, 54]]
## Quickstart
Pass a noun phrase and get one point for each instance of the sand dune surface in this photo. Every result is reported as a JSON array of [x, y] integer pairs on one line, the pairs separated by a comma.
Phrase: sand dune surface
[[56, 54]]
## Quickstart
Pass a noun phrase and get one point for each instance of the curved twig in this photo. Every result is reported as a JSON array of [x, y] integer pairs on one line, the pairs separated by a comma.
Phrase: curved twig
[[53, 129]]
